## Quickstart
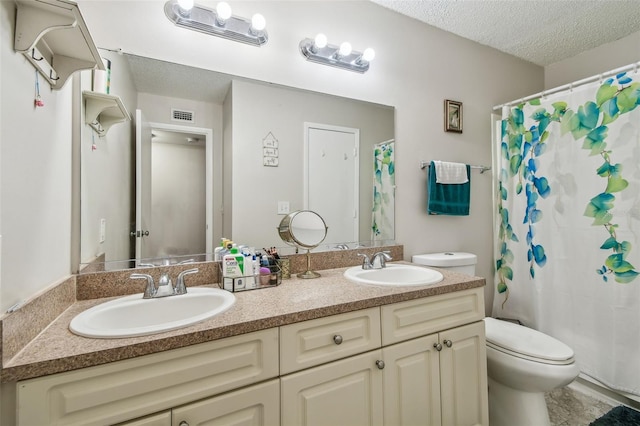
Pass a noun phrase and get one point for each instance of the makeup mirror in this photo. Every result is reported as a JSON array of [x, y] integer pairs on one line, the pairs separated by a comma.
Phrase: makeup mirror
[[304, 229]]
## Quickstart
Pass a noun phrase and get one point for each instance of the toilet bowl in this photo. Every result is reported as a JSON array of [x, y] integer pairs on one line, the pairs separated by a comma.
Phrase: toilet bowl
[[523, 364]]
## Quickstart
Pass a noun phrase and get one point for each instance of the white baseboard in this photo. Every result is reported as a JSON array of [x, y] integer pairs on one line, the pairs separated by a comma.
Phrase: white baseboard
[[594, 388]]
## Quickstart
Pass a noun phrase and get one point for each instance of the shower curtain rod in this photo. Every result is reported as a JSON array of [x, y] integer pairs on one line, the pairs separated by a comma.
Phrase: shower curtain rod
[[570, 86]]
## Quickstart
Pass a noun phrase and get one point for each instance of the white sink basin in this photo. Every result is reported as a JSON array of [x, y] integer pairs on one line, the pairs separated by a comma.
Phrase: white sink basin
[[132, 316], [394, 275]]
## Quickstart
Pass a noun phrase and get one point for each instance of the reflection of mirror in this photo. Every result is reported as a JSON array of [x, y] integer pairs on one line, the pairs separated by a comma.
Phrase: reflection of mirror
[[241, 114], [304, 229]]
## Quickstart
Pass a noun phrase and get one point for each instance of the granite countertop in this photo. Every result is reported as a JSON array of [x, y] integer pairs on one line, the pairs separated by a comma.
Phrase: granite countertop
[[56, 349]]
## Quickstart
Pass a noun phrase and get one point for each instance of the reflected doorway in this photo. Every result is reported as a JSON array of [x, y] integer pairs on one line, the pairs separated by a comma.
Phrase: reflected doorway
[[332, 175], [174, 191]]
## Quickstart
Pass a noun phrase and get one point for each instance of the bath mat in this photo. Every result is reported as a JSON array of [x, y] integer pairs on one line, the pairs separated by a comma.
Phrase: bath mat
[[619, 416]]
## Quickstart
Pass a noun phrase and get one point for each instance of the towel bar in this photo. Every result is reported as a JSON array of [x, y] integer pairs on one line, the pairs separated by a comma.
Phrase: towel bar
[[425, 164]]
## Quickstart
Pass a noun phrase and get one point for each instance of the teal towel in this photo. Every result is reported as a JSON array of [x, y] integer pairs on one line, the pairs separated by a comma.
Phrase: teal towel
[[448, 199]]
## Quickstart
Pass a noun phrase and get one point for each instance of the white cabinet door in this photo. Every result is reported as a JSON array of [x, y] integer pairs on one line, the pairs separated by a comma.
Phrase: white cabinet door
[[257, 405], [412, 383], [346, 392], [463, 376]]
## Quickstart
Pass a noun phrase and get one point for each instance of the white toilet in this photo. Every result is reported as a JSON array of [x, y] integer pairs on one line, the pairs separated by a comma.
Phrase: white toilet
[[522, 363], [451, 261]]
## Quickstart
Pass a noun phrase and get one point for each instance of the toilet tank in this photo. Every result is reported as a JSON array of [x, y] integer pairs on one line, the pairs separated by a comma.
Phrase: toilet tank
[[453, 261]]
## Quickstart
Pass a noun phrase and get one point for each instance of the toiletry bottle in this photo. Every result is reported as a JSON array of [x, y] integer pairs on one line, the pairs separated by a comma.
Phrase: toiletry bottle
[[217, 252], [249, 278], [232, 270]]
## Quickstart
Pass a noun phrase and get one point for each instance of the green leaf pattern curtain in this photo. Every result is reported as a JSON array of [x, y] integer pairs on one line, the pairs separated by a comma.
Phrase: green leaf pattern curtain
[[567, 246]]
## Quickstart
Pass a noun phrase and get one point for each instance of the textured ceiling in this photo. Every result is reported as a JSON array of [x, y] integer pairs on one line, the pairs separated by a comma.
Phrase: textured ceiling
[[539, 31]]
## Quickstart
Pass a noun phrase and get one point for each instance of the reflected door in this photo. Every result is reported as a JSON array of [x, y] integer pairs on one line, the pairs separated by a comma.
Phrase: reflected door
[[143, 184], [331, 184]]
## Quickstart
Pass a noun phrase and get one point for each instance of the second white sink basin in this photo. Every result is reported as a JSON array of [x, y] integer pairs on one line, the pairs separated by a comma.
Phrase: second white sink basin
[[132, 316], [394, 275]]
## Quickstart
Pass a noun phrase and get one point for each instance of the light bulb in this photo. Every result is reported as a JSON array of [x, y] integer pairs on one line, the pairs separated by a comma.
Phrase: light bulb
[[368, 54], [258, 23], [185, 5], [345, 49], [223, 11], [320, 41]]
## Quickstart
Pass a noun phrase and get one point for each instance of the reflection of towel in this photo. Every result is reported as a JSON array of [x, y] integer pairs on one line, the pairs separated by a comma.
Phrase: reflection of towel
[[450, 172], [448, 199]]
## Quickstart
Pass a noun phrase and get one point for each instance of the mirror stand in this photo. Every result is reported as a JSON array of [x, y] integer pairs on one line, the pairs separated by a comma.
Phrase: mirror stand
[[308, 273], [304, 229]]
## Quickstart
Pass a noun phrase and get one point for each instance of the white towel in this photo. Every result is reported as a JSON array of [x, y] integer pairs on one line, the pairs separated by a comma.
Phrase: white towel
[[451, 172]]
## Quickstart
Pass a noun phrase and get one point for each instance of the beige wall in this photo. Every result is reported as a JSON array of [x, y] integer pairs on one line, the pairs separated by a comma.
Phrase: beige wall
[[35, 175], [593, 62]]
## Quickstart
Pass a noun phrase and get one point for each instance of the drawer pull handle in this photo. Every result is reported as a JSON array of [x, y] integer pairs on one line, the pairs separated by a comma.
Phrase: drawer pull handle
[[449, 343], [183, 423], [380, 364], [337, 339], [438, 346]]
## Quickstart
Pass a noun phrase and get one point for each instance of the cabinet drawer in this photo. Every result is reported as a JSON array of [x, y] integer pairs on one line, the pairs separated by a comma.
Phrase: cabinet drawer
[[160, 419], [415, 318], [314, 342], [136, 387]]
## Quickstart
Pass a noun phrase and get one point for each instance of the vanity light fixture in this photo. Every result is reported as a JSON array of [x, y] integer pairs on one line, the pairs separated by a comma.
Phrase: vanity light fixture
[[343, 56], [219, 22]]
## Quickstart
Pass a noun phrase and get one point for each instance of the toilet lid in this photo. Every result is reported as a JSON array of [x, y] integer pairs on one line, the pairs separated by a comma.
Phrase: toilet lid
[[526, 342]]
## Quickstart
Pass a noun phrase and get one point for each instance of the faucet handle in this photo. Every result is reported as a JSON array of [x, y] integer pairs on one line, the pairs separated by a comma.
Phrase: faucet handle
[[366, 263], [181, 288], [150, 289]]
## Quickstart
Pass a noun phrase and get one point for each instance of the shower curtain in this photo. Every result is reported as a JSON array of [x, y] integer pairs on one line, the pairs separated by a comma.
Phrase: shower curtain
[[384, 187], [567, 243]]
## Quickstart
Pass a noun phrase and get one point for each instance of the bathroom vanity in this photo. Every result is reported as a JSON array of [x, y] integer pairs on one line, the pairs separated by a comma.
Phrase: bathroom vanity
[[324, 351]]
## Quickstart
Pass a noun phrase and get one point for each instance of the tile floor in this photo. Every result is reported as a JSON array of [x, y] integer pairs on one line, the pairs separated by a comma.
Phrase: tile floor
[[569, 407]]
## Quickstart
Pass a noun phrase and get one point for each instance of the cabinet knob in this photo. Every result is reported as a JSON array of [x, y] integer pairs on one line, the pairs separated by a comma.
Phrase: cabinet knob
[[380, 364], [183, 423], [449, 343], [438, 346], [337, 339]]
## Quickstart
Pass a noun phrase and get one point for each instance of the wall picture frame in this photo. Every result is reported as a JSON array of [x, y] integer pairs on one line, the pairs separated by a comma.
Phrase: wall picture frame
[[452, 116]]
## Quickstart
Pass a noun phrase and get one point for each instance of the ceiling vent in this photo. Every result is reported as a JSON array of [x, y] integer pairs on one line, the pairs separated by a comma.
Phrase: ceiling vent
[[183, 116]]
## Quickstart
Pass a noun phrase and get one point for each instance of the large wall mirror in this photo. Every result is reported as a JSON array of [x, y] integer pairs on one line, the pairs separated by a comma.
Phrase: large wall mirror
[[253, 153]]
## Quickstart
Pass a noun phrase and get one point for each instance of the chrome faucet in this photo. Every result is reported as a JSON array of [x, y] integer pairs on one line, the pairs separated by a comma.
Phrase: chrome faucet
[[342, 247], [165, 286], [381, 258], [378, 260]]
